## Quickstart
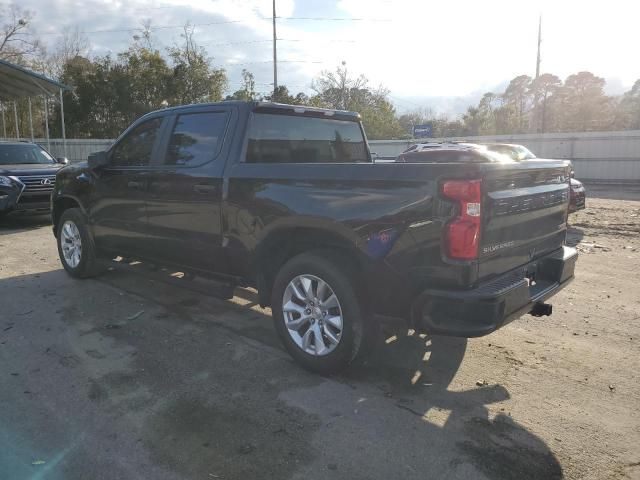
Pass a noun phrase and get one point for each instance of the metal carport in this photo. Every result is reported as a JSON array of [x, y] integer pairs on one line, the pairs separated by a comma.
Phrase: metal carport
[[18, 82]]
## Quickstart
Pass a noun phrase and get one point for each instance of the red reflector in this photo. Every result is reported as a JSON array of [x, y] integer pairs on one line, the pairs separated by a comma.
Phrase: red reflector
[[462, 234], [462, 239]]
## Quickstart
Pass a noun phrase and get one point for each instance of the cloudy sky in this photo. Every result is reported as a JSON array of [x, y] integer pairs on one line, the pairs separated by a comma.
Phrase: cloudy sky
[[427, 52]]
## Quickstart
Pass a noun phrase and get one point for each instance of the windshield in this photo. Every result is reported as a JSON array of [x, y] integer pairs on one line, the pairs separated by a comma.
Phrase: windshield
[[24, 154]]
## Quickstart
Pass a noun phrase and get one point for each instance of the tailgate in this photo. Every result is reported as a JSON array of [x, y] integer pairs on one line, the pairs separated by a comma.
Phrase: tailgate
[[524, 214]]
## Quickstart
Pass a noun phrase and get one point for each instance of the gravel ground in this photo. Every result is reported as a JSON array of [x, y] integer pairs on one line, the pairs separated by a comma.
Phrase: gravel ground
[[124, 377]]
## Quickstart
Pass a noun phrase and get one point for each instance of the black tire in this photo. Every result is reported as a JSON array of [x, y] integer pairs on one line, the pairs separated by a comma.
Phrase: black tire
[[88, 265], [356, 334]]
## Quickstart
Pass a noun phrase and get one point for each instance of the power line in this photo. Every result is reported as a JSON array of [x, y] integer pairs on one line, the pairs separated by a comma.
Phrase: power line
[[224, 22], [271, 61], [228, 44], [336, 19], [153, 27], [335, 40]]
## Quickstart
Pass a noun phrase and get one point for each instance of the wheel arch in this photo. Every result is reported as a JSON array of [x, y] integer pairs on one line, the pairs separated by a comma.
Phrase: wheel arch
[[285, 243], [61, 204]]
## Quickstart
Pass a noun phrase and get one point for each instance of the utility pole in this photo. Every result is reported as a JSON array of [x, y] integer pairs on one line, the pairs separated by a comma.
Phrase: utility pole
[[539, 42], [275, 55], [536, 98]]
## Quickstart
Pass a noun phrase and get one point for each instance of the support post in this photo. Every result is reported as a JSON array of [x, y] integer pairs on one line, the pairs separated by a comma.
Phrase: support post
[[4, 125], [64, 135], [15, 116], [46, 122], [275, 55], [30, 119]]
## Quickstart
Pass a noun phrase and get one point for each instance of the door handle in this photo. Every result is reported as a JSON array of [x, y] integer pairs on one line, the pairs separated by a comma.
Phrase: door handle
[[135, 185], [204, 188]]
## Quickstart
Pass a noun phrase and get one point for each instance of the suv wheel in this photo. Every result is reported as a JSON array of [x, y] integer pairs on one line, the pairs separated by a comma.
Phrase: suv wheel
[[318, 313], [75, 245]]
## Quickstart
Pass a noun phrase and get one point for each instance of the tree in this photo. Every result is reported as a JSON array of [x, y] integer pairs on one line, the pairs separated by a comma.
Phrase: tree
[[542, 88], [73, 43], [334, 89], [517, 99], [194, 80], [340, 91], [17, 42], [248, 91], [585, 106], [628, 111], [144, 37], [418, 116], [282, 95], [148, 80], [473, 121]]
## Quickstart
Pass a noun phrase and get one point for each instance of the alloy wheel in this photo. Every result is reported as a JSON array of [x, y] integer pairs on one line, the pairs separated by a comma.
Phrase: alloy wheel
[[312, 315]]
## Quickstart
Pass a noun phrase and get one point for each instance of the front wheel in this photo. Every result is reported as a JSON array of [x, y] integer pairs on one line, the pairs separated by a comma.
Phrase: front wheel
[[75, 245], [318, 313]]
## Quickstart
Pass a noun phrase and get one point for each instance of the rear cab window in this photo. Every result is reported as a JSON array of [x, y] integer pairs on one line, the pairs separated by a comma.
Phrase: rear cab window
[[286, 138]]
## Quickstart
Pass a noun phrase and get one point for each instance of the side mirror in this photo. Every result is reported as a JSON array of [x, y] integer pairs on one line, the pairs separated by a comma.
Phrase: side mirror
[[63, 160], [98, 159]]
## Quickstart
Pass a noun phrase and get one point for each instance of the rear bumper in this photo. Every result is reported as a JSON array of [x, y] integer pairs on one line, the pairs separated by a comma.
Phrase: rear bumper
[[480, 311]]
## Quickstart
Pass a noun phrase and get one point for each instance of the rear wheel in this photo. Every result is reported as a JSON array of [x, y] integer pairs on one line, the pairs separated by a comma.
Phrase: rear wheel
[[318, 313], [75, 245]]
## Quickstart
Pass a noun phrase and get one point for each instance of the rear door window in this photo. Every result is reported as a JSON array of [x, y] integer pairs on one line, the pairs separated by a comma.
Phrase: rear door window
[[135, 149], [196, 138], [276, 138]]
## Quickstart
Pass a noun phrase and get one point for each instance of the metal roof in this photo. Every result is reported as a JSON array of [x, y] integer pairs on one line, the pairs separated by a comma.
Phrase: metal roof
[[17, 82]]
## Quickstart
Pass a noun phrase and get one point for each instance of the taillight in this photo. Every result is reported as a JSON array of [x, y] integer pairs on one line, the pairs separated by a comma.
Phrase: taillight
[[462, 234]]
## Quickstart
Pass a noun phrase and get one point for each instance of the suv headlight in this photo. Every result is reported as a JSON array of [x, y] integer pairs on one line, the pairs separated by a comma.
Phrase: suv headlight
[[6, 181]]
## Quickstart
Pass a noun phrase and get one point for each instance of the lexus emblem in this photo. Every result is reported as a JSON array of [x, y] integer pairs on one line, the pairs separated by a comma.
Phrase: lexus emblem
[[45, 181]]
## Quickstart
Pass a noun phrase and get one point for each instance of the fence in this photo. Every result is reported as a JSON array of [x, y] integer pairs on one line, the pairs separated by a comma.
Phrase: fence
[[77, 150], [596, 156]]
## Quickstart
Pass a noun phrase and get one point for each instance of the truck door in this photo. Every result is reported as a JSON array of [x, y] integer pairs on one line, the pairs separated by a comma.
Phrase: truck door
[[118, 209], [185, 190]]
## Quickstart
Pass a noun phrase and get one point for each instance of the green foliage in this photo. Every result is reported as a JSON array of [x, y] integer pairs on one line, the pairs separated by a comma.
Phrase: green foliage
[[340, 91], [248, 91], [628, 114], [193, 79], [109, 94], [282, 95], [545, 104]]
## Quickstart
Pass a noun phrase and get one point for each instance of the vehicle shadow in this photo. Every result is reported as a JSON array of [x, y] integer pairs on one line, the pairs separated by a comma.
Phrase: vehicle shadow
[[22, 222], [166, 331], [574, 235], [416, 371]]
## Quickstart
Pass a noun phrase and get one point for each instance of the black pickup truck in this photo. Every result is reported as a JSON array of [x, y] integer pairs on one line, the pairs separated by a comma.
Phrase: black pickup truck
[[286, 199]]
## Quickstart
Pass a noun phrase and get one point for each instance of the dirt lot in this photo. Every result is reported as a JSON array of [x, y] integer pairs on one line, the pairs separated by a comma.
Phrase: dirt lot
[[122, 377]]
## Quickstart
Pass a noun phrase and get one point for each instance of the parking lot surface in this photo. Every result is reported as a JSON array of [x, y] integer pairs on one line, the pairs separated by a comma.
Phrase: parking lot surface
[[126, 377]]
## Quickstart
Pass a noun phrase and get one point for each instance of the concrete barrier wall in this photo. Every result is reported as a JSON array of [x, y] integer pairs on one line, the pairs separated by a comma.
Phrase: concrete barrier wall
[[596, 156]]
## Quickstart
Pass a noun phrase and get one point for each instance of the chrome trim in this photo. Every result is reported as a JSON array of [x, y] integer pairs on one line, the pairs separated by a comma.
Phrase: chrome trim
[[17, 180]]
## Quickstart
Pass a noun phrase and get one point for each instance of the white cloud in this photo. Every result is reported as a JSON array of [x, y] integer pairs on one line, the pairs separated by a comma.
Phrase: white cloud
[[452, 48]]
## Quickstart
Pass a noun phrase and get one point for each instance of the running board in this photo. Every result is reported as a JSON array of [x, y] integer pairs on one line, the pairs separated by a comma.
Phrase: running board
[[186, 280]]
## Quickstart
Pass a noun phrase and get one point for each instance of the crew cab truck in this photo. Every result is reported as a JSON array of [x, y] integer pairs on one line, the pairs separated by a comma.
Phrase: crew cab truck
[[286, 199]]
